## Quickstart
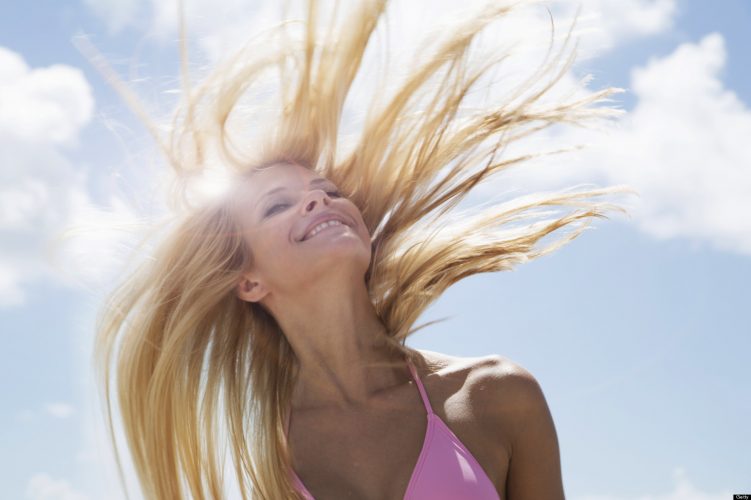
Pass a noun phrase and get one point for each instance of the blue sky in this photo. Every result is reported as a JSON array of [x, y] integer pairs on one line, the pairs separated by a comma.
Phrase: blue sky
[[638, 330]]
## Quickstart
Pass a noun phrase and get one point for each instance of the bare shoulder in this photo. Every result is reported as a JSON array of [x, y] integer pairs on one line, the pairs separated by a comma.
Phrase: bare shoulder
[[516, 412], [494, 380], [502, 393], [446, 367], [502, 383]]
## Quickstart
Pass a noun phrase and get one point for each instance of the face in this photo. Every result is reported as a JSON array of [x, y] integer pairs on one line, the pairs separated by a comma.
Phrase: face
[[277, 208]]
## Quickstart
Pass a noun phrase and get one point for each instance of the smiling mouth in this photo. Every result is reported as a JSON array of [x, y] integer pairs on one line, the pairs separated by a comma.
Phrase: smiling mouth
[[327, 228]]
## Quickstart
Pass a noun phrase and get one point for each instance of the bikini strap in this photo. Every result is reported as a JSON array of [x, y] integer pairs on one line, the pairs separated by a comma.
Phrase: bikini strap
[[418, 382]]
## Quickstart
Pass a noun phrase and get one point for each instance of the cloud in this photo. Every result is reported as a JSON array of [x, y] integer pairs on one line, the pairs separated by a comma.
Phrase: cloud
[[56, 410], [117, 14], [604, 24], [694, 131], [42, 113], [59, 410], [683, 489], [607, 24], [42, 110], [223, 26], [43, 487], [11, 293], [42, 105], [683, 147]]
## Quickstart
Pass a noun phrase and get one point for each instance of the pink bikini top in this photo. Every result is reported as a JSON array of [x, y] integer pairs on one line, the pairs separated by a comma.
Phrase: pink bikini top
[[445, 469]]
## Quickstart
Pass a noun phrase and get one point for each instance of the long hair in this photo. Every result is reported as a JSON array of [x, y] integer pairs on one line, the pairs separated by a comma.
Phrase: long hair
[[189, 357]]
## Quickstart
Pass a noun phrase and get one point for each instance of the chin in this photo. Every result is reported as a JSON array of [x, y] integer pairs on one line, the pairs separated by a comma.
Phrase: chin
[[341, 258]]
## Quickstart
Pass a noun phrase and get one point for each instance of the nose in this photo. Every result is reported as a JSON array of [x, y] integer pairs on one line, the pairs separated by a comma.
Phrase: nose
[[315, 197]]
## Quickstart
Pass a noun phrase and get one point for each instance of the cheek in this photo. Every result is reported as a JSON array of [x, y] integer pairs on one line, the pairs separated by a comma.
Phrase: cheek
[[362, 229], [268, 243], [276, 239], [354, 212]]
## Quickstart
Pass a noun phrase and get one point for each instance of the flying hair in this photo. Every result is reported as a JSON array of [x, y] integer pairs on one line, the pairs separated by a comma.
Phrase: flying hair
[[187, 358]]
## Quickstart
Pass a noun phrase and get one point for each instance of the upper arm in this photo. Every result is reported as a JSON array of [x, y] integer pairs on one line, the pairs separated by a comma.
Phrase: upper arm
[[522, 411]]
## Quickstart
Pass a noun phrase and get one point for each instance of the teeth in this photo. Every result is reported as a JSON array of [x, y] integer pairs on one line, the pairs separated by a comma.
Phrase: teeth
[[320, 227]]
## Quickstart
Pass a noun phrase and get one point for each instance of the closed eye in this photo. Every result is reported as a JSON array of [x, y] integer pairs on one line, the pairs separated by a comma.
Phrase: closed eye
[[273, 210]]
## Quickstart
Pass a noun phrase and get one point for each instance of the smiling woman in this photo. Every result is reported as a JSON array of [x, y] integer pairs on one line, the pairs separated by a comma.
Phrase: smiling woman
[[279, 311]]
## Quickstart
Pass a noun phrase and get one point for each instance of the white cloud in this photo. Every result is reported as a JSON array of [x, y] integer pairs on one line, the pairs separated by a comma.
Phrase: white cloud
[[606, 24], [11, 293], [42, 111], [683, 489], [59, 410], [117, 14], [224, 25], [97, 242], [42, 105], [43, 487], [37, 181], [683, 147], [56, 409], [603, 24]]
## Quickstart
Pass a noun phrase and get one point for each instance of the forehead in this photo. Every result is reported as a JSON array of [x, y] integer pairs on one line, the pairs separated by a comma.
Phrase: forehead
[[278, 174], [253, 190]]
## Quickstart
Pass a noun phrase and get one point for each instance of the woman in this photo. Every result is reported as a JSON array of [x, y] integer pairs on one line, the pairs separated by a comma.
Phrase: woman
[[351, 416], [273, 317]]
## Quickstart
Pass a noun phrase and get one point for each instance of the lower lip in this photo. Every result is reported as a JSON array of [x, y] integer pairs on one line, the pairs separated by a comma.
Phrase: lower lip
[[328, 229]]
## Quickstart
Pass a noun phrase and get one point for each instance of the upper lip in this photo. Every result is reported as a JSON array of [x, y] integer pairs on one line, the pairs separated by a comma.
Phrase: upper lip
[[324, 217]]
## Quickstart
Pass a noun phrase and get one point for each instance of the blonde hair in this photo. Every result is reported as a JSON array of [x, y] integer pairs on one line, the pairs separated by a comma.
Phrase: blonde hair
[[184, 347]]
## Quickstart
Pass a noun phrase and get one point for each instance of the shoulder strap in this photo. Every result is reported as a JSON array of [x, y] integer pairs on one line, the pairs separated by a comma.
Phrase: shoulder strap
[[418, 382]]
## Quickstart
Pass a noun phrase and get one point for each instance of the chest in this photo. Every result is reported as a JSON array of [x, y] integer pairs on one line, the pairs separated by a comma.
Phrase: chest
[[372, 454]]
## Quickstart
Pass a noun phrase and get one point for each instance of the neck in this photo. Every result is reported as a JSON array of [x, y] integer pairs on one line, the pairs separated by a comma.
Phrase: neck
[[338, 340]]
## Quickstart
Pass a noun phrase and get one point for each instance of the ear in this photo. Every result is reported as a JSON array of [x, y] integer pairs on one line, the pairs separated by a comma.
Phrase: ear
[[250, 290]]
